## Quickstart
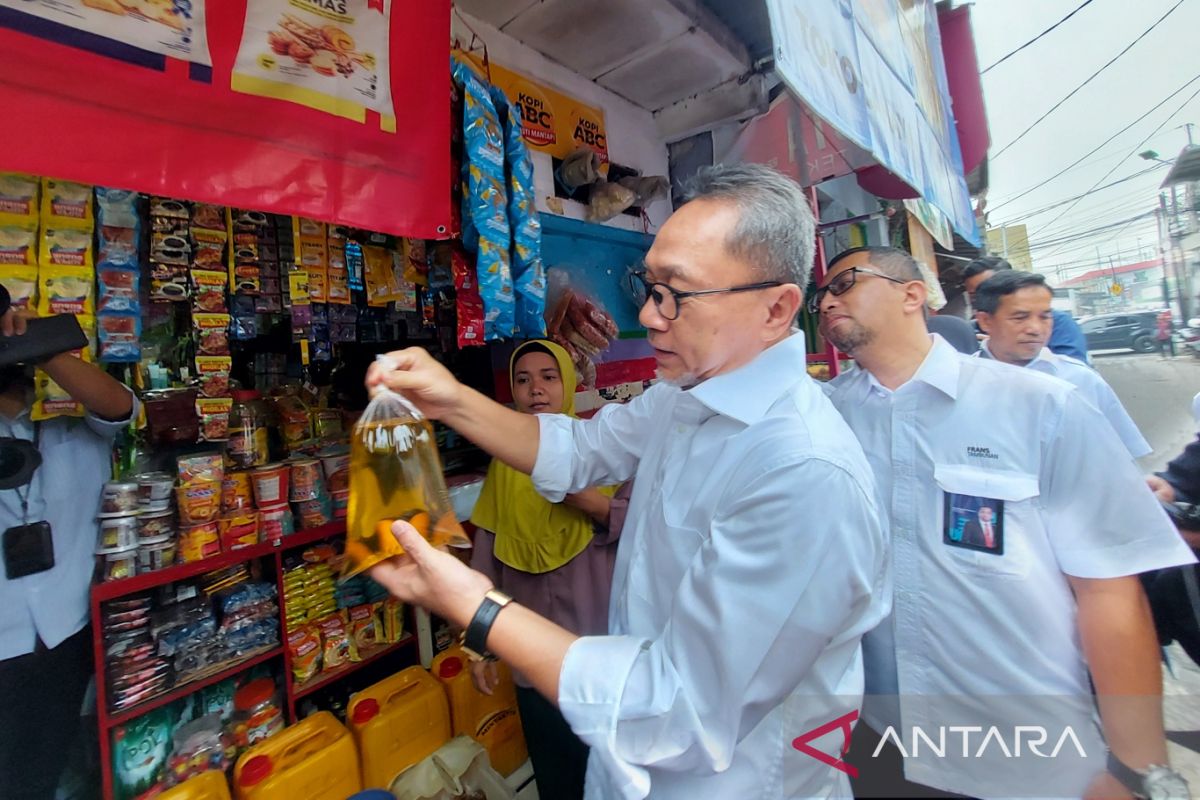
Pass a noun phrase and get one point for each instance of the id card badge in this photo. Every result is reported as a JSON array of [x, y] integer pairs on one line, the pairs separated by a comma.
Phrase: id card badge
[[974, 523], [28, 550]]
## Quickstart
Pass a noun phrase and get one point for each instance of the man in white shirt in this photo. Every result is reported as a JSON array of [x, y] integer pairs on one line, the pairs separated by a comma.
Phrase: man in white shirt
[[1013, 308], [753, 556], [45, 646], [996, 639]]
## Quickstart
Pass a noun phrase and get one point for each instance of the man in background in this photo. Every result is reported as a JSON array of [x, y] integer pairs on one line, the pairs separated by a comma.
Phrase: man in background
[[1051, 622], [1013, 309], [1066, 337], [48, 510]]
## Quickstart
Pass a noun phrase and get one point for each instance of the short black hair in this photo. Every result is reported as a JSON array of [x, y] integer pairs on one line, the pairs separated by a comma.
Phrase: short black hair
[[984, 264], [888, 260], [989, 293]]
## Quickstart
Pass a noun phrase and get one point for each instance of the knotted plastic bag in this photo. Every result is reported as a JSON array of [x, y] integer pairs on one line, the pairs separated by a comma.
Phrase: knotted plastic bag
[[395, 473]]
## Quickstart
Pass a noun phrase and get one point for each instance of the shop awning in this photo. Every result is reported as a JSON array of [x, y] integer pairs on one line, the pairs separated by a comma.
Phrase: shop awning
[[876, 74], [340, 115]]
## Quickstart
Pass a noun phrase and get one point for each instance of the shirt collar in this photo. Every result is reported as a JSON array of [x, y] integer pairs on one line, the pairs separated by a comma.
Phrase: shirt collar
[[1046, 360], [748, 392], [940, 367]]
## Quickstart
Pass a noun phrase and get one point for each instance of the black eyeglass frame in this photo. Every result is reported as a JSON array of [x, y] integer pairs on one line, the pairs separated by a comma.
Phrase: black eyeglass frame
[[638, 283], [814, 302]]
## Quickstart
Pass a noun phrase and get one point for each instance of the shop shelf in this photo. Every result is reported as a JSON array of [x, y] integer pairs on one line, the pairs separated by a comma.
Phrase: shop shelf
[[110, 590], [120, 717], [326, 678]]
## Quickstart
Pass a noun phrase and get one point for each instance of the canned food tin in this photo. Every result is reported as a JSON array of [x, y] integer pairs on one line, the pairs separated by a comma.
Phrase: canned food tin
[[119, 532], [119, 497]]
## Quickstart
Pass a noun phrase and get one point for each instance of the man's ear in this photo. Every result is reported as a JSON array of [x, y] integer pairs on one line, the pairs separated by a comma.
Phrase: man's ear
[[915, 296], [985, 321], [784, 308]]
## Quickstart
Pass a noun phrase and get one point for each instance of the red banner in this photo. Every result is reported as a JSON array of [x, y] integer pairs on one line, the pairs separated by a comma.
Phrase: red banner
[[337, 110]]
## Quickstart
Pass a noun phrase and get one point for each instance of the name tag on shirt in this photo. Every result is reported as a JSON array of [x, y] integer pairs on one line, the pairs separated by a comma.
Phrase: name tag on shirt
[[973, 523]]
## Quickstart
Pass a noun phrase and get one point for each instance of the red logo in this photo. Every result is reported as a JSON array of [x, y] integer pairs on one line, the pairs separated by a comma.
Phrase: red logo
[[844, 722]]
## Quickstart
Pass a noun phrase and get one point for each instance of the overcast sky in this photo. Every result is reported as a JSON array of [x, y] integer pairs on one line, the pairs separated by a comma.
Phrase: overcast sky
[[1023, 88]]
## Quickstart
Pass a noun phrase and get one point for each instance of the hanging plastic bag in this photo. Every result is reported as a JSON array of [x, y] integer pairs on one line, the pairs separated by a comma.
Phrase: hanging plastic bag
[[395, 473]]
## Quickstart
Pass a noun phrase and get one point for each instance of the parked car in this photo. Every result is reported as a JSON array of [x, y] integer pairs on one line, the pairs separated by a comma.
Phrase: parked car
[[1128, 330]]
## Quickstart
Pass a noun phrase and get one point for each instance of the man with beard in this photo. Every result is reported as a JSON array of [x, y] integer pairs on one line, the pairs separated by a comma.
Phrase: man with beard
[[752, 558], [51, 473], [1015, 633]]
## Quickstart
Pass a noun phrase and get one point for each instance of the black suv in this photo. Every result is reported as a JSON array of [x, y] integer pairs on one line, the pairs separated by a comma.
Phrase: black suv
[[1132, 330]]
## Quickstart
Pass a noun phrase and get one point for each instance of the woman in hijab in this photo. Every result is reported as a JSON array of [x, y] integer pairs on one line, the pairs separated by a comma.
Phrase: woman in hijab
[[553, 558]]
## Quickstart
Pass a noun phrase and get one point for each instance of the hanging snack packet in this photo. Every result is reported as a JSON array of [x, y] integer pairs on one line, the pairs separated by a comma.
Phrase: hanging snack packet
[[118, 339], [118, 290], [66, 204], [117, 208], [18, 199], [18, 243], [65, 247], [21, 282], [395, 473], [65, 290]]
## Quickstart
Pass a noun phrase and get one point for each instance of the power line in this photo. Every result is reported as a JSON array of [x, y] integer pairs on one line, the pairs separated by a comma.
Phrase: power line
[[1136, 148], [1089, 79], [1075, 163], [1052, 206], [1039, 36], [1074, 237]]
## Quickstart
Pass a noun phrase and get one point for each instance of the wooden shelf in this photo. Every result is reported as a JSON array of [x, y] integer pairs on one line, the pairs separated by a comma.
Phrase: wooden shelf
[[114, 718], [325, 678]]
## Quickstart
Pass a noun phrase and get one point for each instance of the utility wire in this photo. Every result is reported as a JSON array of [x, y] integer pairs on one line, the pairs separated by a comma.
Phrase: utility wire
[[1075, 163], [1039, 36], [1052, 206], [1088, 80], [1136, 148], [1078, 236]]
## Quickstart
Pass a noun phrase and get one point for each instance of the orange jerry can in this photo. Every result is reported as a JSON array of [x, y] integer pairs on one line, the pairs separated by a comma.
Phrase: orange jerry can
[[492, 721], [209, 785], [315, 759], [397, 723]]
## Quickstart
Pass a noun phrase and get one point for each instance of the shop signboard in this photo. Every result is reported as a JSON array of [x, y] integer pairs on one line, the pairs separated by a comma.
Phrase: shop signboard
[[329, 109], [551, 121], [874, 71]]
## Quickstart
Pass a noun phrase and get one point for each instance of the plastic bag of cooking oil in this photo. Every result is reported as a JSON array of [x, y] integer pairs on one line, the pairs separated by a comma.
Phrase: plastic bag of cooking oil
[[395, 473]]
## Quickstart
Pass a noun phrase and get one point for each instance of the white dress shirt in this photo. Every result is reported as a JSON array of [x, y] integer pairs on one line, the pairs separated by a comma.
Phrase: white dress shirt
[[1095, 390], [978, 637], [65, 491], [752, 561]]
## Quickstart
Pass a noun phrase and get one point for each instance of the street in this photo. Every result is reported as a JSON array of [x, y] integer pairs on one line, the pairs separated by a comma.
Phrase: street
[[1158, 393]]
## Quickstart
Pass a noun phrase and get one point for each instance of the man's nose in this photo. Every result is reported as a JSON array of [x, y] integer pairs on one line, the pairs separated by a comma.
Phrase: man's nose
[[650, 317]]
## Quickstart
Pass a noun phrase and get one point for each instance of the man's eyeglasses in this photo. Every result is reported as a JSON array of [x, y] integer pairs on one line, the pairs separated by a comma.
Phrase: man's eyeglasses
[[842, 283], [667, 300]]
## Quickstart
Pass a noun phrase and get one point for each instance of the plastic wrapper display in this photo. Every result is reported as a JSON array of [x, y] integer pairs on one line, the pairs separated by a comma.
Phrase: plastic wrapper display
[[395, 474], [529, 274], [485, 198]]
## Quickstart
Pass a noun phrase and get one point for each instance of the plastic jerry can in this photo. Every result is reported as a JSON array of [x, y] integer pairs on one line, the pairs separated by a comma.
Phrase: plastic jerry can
[[397, 723], [315, 759], [209, 785], [492, 721]]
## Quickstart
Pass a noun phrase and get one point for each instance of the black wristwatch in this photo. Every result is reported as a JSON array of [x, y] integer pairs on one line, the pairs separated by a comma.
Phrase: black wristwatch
[[1157, 782], [474, 640]]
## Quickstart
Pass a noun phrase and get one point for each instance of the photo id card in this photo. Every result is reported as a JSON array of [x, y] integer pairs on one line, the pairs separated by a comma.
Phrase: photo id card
[[974, 523]]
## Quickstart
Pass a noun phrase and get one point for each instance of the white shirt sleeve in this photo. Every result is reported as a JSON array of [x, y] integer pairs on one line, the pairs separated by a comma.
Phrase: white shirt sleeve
[[772, 587], [574, 454], [1123, 424], [1103, 521]]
